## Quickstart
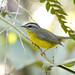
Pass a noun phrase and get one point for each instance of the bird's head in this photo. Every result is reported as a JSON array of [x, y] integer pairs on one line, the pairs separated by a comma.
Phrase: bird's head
[[32, 27]]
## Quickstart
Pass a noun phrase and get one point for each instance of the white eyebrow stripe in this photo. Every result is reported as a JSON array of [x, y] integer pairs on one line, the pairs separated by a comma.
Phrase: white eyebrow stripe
[[33, 24]]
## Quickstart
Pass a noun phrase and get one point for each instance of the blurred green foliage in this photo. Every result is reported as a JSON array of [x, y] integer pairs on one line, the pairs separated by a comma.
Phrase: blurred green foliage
[[74, 1], [70, 45]]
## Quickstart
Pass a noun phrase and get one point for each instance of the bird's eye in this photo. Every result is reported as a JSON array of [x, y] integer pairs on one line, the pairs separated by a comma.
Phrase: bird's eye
[[30, 26]]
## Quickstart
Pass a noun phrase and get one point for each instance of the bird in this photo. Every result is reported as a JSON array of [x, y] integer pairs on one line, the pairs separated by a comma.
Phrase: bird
[[42, 37]]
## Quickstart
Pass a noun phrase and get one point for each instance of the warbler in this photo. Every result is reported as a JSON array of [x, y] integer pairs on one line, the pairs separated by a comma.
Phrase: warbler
[[42, 37]]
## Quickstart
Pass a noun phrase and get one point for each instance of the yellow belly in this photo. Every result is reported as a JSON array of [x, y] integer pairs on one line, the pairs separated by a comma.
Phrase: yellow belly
[[40, 42]]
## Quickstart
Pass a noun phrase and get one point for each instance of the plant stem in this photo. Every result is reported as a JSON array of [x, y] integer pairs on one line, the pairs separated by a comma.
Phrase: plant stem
[[65, 68], [48, 59]]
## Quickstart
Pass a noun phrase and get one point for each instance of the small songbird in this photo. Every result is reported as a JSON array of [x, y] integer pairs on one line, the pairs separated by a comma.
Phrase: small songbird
[[42, 37]]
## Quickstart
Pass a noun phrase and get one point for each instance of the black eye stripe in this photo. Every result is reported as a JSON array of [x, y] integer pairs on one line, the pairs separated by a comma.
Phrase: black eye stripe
[[30, 26]]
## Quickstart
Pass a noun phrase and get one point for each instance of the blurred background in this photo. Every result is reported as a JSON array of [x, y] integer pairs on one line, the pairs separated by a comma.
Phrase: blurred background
[[18, 56]]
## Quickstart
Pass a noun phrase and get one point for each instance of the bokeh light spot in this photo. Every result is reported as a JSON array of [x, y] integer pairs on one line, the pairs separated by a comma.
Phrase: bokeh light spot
[[12, 37]]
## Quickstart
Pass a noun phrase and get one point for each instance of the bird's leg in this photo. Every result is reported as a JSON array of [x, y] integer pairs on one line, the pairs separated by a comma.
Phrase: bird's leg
[[43, 52], [46, 50]]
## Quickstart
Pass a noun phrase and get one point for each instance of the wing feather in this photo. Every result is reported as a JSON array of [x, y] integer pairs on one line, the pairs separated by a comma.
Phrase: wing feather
[[47, 36]]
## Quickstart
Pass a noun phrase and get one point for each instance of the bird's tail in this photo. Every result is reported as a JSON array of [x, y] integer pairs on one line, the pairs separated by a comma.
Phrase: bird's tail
[[62, 39]]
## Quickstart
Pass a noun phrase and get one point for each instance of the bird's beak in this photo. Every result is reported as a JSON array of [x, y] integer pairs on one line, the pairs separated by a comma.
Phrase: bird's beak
[[23, 26]]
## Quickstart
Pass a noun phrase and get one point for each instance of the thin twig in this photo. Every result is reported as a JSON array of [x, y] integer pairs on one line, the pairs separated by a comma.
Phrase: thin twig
[[4, 30], [25, 10], [48, 59], [5, 61], [14, 24], [5, 58], [22, 44], [16, 12]]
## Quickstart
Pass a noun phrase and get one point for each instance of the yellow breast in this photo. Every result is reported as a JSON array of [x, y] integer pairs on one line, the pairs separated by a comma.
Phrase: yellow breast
[[40, 42]]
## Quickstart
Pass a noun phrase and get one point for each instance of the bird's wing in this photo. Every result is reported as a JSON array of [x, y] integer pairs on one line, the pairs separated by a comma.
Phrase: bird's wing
[[48, 36]]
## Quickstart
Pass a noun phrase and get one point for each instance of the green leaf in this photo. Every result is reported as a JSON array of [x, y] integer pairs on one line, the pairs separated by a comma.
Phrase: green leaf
[[52, 11], [61, 21], [42, 1], [47, 6], [71, 34], [61, 11], [55, 5], [54, 1], [64, 28], [61, 16], [74, 1], [62, 25], [3, 14], [69, 65]]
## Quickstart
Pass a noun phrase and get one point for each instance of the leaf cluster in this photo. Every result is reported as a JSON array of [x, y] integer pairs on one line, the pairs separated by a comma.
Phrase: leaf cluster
[[56, 9]]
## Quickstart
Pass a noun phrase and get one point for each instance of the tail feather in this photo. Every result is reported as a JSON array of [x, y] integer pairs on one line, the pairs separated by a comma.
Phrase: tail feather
[[60, 38], [61, 44]]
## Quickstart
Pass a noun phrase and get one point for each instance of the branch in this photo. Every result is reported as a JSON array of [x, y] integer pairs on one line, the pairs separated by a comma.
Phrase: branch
[[15, 28], [16, 12], [4, 30], [25, 10]]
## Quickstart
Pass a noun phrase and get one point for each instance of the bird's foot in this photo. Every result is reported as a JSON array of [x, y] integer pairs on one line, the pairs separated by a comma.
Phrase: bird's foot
[[42, 53]]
